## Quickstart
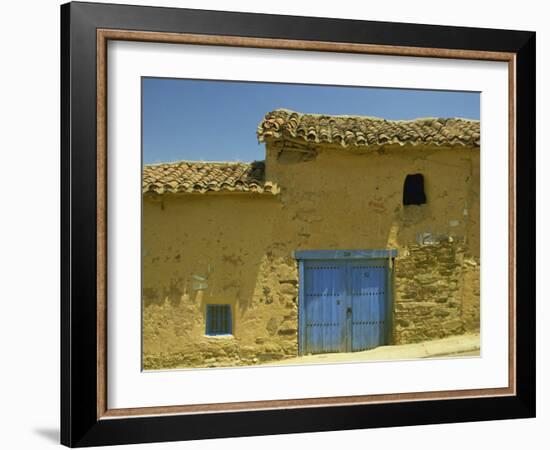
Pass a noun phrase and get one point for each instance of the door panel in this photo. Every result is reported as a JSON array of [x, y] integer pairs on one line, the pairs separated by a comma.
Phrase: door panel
[[325, 301], [368, 295]]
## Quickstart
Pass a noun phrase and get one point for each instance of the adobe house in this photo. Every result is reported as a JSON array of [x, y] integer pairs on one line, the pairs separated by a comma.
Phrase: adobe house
[[354, 232]]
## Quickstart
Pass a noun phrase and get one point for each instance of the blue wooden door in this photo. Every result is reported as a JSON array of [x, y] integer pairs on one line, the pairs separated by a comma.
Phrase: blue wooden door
[[325, 298], [345, 305], [368, 303]]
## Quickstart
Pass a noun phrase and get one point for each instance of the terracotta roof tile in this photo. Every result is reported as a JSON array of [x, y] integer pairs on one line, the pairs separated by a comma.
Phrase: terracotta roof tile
[[201, 177], [363, 131]]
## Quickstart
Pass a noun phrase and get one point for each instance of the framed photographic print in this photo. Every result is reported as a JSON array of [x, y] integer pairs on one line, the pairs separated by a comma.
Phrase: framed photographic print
[[276, 224]]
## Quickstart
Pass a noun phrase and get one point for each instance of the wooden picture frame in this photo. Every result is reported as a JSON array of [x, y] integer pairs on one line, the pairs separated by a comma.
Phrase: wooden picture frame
[[85, 416]]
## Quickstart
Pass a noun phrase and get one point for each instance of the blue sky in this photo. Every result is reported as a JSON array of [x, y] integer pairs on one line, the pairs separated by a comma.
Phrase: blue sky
[[217, 120]]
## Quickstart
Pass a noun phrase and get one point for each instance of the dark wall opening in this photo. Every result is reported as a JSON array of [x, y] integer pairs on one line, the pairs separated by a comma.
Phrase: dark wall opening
[[413, 190]]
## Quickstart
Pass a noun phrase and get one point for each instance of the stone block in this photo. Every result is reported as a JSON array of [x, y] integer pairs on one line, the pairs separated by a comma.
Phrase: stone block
[[272, 325], [441, 312], [288, 331]]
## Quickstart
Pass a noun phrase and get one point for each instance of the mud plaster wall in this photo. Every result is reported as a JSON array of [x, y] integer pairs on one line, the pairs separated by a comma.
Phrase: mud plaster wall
[[240, 246]]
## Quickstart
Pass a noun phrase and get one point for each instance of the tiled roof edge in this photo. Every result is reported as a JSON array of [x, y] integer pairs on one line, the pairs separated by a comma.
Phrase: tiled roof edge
[[185, 177], [364, 131]]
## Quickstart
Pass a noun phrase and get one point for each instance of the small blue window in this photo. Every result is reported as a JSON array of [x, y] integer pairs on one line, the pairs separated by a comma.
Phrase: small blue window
[[218, 320]]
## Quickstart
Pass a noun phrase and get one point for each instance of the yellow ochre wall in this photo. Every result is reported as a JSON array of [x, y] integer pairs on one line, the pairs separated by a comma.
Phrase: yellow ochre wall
[[239, 247]]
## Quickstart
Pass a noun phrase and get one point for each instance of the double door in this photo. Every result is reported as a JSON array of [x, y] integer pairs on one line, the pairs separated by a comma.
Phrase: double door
[[346, 305]]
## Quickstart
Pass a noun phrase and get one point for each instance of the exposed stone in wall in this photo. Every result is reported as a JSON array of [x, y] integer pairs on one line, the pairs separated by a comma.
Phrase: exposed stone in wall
[[270, 323], [431, 297], [470, 295], [436, 295]]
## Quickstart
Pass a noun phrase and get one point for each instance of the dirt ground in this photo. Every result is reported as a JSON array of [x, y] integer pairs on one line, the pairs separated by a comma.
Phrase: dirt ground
[[452, 347]]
